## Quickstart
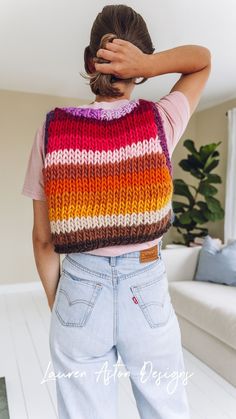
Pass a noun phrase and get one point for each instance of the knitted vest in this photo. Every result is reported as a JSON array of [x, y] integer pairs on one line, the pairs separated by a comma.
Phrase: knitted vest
[[107, 176]]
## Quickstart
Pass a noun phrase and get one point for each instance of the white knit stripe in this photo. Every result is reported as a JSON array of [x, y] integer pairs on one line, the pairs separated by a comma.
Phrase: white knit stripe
[[94, 157], [78, 223]]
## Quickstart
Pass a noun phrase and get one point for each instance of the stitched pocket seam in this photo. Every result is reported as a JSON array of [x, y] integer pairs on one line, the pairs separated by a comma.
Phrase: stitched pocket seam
[[90, 305], [85, 269], [141, 270], [144, 307], [85, 281]]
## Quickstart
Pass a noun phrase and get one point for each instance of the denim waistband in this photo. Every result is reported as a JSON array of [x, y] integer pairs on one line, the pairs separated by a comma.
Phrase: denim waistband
[[134, 254]]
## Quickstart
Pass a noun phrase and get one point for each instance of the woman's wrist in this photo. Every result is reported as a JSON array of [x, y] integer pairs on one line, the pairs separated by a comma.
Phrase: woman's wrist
[[183, 59], [146, 66]]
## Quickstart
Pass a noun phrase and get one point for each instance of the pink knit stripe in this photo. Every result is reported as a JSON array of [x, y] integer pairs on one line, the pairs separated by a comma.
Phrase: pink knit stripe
[[83, 156]]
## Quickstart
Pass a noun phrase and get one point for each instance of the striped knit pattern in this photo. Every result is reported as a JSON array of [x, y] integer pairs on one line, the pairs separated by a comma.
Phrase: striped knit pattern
[[107, 176]]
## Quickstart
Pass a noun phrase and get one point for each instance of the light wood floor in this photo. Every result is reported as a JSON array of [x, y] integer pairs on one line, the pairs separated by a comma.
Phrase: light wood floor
[[25, 357]]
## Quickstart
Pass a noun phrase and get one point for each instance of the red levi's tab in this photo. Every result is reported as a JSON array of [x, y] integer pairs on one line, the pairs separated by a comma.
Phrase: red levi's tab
[[135, 300]]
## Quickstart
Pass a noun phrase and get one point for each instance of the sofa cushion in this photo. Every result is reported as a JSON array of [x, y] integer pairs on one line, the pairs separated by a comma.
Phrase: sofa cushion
[[207, 305], [217, 263]]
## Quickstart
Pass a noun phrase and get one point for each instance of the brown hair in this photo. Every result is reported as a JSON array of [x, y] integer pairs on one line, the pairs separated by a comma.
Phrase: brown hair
[[114, 21]]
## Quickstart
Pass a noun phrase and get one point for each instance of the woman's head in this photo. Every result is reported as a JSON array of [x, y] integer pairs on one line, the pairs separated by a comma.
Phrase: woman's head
[[114, 21]]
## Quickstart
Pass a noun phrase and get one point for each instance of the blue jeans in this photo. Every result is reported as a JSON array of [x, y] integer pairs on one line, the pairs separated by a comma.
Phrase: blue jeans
[[106, 306]]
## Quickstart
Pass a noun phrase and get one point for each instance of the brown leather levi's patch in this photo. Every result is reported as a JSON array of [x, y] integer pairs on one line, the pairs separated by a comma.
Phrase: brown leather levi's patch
[[147, 255]]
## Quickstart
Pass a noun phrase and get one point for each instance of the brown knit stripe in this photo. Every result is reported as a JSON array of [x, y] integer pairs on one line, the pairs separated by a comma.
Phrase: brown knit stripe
[[89, 239], [81, 171]]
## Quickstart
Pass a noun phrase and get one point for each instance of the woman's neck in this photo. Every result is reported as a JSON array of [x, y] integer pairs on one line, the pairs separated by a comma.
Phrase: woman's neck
[[110, 99]]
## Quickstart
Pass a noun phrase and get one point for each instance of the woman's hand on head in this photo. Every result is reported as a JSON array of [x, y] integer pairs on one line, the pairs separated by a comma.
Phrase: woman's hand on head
[[125, 60]]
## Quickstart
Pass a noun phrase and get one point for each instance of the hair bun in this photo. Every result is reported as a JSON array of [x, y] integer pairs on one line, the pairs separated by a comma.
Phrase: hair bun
[[108, 37]]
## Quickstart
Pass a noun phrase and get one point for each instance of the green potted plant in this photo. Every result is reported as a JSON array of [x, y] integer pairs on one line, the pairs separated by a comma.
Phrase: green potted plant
[[199, 205]]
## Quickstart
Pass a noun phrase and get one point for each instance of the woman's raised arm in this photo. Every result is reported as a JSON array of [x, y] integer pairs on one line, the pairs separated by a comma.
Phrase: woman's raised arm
[[193, 61], [126, 60]]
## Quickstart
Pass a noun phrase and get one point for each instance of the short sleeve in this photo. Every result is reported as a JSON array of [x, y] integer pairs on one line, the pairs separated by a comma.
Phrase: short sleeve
[[175, 112], [33, 185]]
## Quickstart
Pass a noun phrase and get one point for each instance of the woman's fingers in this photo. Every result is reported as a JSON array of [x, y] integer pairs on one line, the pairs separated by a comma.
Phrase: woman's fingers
[[113, 47], [111, 50], [107, 55], [104, 68], [123, 59], [119, 41]]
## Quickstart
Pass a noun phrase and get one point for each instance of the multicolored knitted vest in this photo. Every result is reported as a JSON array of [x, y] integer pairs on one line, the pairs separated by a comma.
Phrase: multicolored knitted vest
[[107, 176]]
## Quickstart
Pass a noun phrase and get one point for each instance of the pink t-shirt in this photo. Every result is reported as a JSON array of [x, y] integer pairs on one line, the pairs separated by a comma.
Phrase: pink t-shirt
[[175, 112]]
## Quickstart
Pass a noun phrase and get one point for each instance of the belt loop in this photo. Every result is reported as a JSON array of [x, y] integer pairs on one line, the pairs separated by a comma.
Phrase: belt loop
[[112, 260], [160, 248]]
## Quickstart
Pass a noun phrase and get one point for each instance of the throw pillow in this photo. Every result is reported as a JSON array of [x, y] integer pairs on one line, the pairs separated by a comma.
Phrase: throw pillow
[[217, 263]]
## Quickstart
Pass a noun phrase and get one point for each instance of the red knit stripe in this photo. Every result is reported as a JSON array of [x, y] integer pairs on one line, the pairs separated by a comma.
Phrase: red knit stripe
[[99, 135]]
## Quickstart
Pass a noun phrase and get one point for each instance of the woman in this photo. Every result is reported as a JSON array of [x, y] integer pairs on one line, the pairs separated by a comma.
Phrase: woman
[[100, 176]]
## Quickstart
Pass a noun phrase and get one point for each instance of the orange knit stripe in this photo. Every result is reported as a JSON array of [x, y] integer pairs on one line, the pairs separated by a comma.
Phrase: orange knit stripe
[[142, 179], [123, 201]]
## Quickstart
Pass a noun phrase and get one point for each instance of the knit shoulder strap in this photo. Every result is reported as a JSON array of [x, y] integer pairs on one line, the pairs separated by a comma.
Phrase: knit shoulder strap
[[162, 137]]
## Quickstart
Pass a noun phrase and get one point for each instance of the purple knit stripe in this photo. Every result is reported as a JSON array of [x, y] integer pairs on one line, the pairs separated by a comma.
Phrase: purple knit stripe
[[101, 113], [162, 136], [49, 117]]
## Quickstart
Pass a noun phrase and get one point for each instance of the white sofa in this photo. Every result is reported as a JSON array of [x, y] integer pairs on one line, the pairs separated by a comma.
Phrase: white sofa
[[206, 312]]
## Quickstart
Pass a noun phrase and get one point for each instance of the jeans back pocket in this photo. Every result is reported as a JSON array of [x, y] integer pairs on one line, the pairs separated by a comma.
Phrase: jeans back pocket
[[153, 298], [76, 299]]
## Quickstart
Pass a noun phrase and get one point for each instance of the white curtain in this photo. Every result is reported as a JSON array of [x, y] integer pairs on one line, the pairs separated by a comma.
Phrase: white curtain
[[230, 192]]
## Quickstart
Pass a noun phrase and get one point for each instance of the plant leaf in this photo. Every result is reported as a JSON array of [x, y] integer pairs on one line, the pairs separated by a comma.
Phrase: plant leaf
[[205, 210], [197, 173], [179, 206], [202, 205], [198, 216], [211, 166], [189, 144], [179, 224], [206, 150], [181, 188], [213, 204], [206, 189], [211, 216], [195, 163], [185, 218], [214, 178], [220, 214], [185, 165]]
